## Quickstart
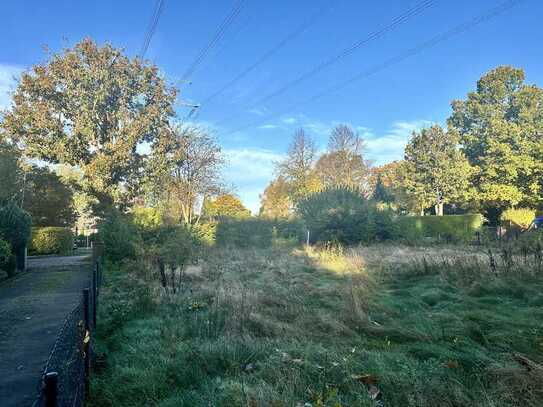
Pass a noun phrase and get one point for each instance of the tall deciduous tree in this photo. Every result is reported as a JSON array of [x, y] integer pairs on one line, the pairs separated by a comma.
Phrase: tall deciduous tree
[[275, 202], [297, 168], [436, 170], [186, 171], [501, 128], [343, 165], [91, 107]]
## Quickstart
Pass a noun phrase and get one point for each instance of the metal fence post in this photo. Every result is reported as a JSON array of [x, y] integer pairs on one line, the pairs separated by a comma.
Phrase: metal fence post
[[51, 389], [86, 308], [99, 272], [86, 340], [94, 285]]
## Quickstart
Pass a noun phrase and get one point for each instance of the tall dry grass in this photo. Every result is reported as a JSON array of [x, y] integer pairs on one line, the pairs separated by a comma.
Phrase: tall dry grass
[[288, 326]]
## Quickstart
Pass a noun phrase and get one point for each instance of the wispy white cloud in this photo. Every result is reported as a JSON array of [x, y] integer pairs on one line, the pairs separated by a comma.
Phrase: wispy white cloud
[[250, 164], [8, 81], [269, 126], [258, 111], [390, 146], [250, 169], [380, 147], [289, 120]]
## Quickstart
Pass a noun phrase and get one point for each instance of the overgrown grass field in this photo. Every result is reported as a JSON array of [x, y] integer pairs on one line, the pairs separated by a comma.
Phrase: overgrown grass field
[[287, 326]]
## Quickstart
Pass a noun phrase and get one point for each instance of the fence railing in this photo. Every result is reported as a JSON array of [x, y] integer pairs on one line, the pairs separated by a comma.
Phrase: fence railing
[[65, 378]]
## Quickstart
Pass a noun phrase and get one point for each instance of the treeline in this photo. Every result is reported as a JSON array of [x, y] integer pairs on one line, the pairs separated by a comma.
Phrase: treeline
[[103, 128], [488, 159]]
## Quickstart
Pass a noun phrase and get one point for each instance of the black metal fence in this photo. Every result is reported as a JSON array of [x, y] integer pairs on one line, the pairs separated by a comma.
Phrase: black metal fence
[[65, 378]]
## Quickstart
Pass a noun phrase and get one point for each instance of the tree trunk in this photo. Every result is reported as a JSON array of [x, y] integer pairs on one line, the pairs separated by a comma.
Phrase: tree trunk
[[162, 271]]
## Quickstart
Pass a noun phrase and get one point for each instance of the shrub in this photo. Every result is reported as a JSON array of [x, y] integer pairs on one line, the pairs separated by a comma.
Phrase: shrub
[[384, 223], [289, 229], [450, 228], [146, 218], [15, 226], [7, 260], [169, 249], [530, 242], [337, 214], [51, 240], [257, 232], [121, 238], [251, 232], [205, 232], [519, 218]]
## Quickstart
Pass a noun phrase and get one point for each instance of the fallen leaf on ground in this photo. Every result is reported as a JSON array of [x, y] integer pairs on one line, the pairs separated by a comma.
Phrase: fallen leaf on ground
[[367, 379], [452, 364]]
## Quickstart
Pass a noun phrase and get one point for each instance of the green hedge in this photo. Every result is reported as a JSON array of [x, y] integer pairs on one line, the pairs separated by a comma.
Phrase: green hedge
[[257, 232], [518, 218], [7, 259], [450, 228], [51, 240], [250, 232], [15, 226]]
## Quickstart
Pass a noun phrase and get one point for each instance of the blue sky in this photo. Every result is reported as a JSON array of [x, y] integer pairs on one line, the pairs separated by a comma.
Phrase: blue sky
[[385, 107]]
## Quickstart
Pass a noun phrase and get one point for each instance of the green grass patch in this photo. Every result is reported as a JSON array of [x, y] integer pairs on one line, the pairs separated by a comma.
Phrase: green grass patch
[[287, 327]]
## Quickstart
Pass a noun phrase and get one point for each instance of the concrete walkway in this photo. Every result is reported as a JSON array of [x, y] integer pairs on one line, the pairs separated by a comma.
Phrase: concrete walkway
[[33, 307]]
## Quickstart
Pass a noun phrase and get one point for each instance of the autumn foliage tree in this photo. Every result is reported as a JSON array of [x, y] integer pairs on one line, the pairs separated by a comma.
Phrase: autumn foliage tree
[[388, 184], [298, 166], [343, 165], [275, 202], [225, 206], [90, 107]]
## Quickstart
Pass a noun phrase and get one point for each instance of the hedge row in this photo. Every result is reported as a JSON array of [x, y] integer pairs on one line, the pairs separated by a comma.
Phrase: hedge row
[[257, 232], [518, 218], [15, 224], [450, 228], [380, 225], [51, 240]]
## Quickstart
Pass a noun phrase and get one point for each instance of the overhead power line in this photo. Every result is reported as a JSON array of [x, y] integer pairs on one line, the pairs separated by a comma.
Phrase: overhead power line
[[402, 18], [215, 39], [159, 5], [457, 30], [268, 54]]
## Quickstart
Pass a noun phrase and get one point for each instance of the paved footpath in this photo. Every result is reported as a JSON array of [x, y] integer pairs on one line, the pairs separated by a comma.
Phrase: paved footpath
[[33, 307]]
